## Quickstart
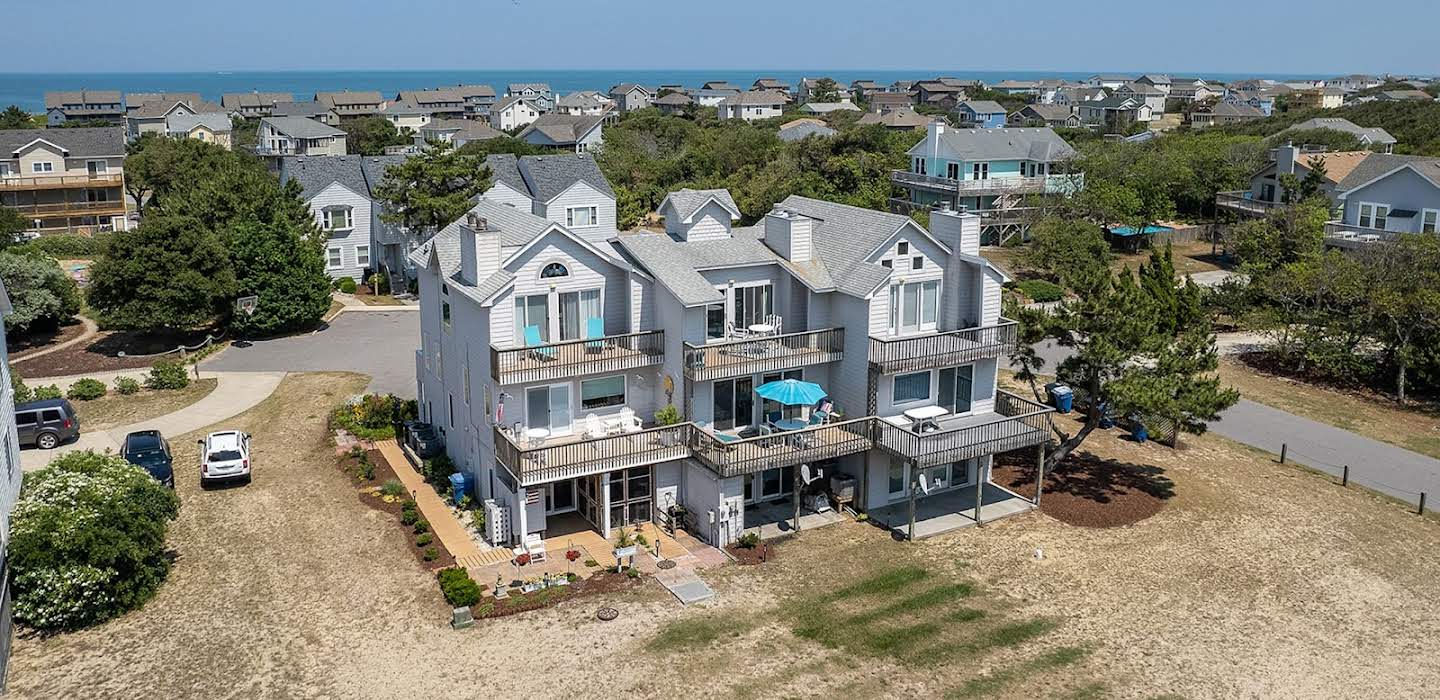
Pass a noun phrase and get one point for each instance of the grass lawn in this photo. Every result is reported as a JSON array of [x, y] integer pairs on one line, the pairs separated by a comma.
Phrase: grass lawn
[[1415, 427], [114, 410]]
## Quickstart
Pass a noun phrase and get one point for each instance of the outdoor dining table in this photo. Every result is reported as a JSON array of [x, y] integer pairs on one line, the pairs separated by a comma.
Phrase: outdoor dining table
[[925, 416]]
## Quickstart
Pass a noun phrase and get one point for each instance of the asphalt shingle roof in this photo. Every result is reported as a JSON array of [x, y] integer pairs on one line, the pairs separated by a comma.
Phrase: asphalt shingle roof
[[90, 141]]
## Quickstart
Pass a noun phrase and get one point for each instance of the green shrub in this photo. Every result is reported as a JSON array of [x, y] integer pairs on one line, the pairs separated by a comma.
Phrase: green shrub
[[87, 541], [422, 527], [347, 285], [167, 375], [749, 540], [431, 554], [126, 386], [21, 392], [393, 487], [459, 589], [86, 389], [423, 539], [1042, 291], [49, 391], [437, 469]]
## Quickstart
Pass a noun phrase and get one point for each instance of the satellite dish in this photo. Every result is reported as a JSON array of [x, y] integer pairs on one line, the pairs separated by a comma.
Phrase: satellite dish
[[924, 484]]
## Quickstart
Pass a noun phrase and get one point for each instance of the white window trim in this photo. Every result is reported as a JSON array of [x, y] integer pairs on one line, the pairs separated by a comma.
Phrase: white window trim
[[929, 394], [334, 249]]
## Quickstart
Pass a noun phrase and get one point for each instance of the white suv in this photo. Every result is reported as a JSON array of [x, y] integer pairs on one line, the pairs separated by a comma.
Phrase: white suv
[[225, 456]]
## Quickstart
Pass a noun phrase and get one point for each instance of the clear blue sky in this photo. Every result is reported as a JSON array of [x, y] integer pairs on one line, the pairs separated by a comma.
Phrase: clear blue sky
[[1230, 36]]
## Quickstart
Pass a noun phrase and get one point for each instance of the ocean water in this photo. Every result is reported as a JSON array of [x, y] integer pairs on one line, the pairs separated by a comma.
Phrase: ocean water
[[28, 89]]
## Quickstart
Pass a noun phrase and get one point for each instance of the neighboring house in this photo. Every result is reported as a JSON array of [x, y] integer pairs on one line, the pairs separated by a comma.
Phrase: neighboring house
[[544, 355], [799, 129], [1267, 193], [673, 103], [1404, 96], [407, 115], [629, 97], [440, 103], [712, 97], [298, 136], [151, 117], [1224, 113], [210, 127], [1151, 96], [1055, 116], [584, 103], [346, 104], [752, 106], [580, 133], [1373, 137], [899, 120], [478, 99], [456, 132], [84, 105], [253, 105], [10, 478], [340, 192], [1114, 113], [513, 112], [986, 170], [1354, 81], [309, 109], [65, 180], [881, 102], [1384, 196], [538, 94], [566, 189], [1109, 81], [984, 114], [844, 105]]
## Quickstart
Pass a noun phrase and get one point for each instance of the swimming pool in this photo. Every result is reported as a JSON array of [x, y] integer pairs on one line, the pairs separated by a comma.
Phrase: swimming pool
[[1130, 230]]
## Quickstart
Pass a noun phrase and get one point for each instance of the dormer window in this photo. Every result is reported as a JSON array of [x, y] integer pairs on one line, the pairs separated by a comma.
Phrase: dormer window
[[554, 270]]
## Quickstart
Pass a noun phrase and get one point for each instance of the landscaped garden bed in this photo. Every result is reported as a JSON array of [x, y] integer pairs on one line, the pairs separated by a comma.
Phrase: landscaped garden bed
[[1086, 490]]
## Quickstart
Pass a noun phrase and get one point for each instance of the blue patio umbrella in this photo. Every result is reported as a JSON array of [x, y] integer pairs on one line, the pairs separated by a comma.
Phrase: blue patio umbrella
[[791, 392]]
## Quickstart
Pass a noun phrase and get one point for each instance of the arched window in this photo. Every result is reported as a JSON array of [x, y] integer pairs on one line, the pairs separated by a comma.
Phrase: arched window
[[554, 270]]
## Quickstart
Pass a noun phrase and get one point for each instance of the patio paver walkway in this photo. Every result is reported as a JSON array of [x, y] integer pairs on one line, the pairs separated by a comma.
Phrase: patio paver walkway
[[442, 522]]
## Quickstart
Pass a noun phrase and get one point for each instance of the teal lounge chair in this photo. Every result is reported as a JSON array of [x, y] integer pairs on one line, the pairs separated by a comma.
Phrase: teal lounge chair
[[533, 340], [594, 328]]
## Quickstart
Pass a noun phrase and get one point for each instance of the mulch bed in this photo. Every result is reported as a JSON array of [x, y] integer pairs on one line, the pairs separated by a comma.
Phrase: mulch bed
[[607, 582], [41, 339], [1087, 491], [102, 353], [750, 556], [383, 473]]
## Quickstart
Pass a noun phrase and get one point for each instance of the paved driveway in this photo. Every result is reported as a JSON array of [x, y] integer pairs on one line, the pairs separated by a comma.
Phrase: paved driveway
[[381, 345]]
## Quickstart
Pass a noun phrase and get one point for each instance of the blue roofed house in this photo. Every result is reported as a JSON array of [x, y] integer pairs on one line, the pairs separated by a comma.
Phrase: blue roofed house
[[1386, 195], [987, 170], [985, 114]]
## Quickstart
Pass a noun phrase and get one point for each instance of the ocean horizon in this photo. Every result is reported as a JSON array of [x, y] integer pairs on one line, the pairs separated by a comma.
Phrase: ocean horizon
[[28, 89]]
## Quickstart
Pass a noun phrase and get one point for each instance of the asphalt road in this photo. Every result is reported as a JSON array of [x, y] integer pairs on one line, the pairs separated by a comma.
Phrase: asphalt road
[[380, 344], [1391, 470]]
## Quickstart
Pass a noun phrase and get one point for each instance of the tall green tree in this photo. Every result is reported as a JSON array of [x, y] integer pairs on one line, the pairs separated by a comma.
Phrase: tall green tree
[[172, 271], [283, 264], [430, 190], [41, 294]]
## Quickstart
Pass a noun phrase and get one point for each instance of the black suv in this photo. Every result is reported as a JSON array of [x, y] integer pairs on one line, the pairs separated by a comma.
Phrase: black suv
[[149, 450], [46, 423]]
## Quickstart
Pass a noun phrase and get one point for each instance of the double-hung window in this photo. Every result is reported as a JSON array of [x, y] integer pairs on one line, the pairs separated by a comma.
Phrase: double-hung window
[[914, 307], [581, 217]]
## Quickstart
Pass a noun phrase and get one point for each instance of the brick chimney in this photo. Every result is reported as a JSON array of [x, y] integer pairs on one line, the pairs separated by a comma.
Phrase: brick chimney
[[789, 233]]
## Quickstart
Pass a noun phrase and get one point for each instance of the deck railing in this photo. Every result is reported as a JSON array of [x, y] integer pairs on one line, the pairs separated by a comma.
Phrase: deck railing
[[536, 465], [765, 354], [750, 455], [573, 358], [1017, 423], [947, 349]]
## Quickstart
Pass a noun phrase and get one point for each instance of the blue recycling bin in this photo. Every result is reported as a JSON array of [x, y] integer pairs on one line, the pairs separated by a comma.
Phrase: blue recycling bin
[[459, 486], [1061, 396]]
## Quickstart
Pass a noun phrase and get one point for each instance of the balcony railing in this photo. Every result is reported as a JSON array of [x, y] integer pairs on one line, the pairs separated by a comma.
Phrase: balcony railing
[[1050, 184], [948, 349], [1242, 203], [1015, 424], [51, 182], [573, 358], [736, 457], [770, 353], [537, 465]]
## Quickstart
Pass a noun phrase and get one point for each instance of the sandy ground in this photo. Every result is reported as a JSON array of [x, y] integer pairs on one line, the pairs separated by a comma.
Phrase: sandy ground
[[1256, 580]]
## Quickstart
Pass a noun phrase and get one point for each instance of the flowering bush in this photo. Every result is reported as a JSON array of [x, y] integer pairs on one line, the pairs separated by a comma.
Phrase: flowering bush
[[88, 541]]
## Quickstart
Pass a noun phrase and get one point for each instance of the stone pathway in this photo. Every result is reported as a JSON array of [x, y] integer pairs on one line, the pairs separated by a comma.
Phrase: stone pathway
[[443, 523]]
